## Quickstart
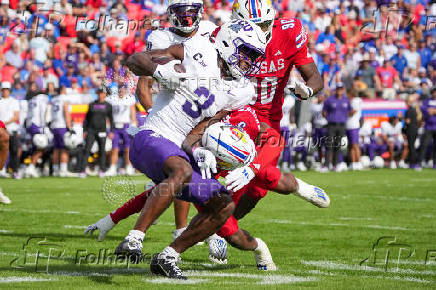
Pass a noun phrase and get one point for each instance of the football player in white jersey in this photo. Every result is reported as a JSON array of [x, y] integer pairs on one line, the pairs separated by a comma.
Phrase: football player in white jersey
[[319, 125], [36, 123], [392, 137], [352, 125], [124, 113], [185, 16], [156, 149], [60, 124]]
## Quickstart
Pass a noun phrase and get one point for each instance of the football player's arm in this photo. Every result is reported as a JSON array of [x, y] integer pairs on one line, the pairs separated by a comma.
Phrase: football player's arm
[[143, 63], [143, 92], [311, 76], [4, 146], [193, 140]]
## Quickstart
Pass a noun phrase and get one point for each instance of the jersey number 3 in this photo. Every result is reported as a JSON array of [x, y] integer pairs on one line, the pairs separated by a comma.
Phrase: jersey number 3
[[194, 108]]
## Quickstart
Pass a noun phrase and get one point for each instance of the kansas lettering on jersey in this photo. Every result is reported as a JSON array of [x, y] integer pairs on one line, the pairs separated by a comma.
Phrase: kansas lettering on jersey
[[37, 108], [287, 48], [176, 112]]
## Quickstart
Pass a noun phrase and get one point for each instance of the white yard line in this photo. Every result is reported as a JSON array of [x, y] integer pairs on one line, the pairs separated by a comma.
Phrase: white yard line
[[15, 279], [277, 221], [48, 211], [331, 265], [5, 231], [355, 218], [267, 279], [74, 227], [176, 281]]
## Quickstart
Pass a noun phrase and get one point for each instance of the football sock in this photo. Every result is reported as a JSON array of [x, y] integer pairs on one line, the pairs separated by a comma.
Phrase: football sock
[[64, 166], [132, 206], [169, 251], [55, 167]]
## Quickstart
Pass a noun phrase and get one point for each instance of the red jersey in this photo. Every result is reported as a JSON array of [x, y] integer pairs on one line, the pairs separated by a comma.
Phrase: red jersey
[[286, 49], [246, 119]]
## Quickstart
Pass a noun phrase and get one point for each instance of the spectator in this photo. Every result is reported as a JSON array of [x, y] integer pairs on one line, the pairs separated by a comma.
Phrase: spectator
[[424, 53], [336, 110], [48, 77], [67, 78], [392, 138], [13, 56], [367, 74], [413, 57], [399, 61], [388, 76]]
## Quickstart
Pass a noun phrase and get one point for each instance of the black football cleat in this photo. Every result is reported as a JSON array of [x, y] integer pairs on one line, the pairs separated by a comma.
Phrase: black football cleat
[[131, 249], [166, 266]]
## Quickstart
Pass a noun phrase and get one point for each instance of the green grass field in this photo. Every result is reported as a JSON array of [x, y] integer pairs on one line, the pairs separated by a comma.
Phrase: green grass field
[[313, 248]]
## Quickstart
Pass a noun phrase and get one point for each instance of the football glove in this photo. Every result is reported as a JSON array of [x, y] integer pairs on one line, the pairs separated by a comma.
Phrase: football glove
[[300, 90], [167, 75], [206, 161], [239, 177]]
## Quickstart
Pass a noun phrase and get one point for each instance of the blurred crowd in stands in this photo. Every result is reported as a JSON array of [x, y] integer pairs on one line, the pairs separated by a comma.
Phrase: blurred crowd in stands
[[371, 49]]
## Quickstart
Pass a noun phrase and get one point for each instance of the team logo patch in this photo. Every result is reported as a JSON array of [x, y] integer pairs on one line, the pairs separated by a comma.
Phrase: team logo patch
[[236, 27], [320, 193]]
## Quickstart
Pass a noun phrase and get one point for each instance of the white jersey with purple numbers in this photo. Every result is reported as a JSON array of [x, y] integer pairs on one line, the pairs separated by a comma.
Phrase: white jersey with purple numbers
[[318, 119], [37, 110], [121, 109], [164, 38], [365, 133], [353, 122], [57, 112], [201, 95], [394, 133]]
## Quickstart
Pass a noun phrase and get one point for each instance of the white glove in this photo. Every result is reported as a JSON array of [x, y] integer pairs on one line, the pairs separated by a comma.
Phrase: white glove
[[167, 75], [239, 177], [300, 90], [206, 161]]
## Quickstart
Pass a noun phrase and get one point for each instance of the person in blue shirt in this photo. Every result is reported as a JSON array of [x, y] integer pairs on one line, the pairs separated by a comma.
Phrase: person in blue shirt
[[328, 34], [425, 54], [399, 61]]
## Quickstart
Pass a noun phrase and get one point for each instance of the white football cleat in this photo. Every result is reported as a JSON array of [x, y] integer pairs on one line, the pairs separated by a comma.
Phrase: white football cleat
[[217, 249], [103, 226], [3, 198], [263, 257], [402, 164], [66, 173], [130, 170], [301, 166], [31, 171], [112, 171], [393, 165]]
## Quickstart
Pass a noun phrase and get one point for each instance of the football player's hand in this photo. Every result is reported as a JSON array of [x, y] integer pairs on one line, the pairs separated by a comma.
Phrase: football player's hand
[[300, 90], [206, 161], [239, 177], [167, 74]]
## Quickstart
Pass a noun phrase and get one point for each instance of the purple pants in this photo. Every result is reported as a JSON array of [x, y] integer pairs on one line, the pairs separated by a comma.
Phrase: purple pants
[[33, 130], [58, 138], [286, 154], [318, 136], [353, 136], [148, 153], [121, 134]]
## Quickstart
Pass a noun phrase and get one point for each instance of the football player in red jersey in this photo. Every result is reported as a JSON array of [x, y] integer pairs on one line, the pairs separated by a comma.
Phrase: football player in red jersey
[[287, 47], [4, 150]]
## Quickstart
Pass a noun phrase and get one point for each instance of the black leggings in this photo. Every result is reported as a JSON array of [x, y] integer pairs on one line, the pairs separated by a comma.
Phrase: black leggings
[[335, 132], [91, 136], [14, 145], [425, 140], [411, 138]]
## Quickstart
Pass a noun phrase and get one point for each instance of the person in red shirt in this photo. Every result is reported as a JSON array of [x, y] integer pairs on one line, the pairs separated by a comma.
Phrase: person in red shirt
[[387, 76]]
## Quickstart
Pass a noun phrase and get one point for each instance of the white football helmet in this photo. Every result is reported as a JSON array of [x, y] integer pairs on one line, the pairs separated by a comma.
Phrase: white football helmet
[[231, 145], [72, 140], [40, 141], [260, 12], [241, 44], [185, 15]]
